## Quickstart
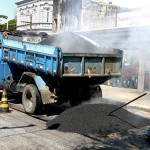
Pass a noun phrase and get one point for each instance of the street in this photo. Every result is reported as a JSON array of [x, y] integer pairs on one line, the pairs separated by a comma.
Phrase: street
[[74, 75], [21, 131]]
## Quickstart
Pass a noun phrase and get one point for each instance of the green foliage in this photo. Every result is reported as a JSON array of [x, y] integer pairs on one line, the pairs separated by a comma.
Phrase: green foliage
[[11, 25], [2, 27], [3, 16]]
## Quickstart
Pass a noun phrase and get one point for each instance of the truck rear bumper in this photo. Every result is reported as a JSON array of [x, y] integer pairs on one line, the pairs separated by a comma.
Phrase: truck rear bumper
[[92, 75]]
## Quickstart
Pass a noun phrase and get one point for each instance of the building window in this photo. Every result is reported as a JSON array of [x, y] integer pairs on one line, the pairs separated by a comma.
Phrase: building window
[[48, 15]]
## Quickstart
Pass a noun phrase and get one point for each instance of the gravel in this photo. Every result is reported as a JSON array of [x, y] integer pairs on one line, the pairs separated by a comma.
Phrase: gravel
[[73, 43], [69, 42], [94, 119]]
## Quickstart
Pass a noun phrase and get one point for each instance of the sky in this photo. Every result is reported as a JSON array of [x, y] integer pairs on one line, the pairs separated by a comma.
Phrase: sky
[[7, 8], [132, 3]]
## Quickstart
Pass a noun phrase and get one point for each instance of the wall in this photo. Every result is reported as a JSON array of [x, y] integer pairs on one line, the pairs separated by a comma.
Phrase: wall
[[85, 14], [39, 13]]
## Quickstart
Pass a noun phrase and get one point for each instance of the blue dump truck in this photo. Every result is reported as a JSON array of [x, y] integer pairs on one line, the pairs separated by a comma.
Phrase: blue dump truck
[[56, 69]]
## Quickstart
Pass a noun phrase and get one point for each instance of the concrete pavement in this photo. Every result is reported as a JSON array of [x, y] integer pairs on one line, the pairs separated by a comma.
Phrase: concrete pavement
[[124, 95], [19, 131]]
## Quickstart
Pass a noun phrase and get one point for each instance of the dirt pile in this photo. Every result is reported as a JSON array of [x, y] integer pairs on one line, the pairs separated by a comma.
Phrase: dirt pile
[[94, 119]]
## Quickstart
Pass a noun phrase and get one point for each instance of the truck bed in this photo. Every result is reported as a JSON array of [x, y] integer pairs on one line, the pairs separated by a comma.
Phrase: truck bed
[[53, 56]]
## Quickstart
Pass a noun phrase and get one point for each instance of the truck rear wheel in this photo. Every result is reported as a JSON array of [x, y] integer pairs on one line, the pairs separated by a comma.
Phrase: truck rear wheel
[[75, 101], [85, 94], [78, 95], [31, 99], [96, 91]]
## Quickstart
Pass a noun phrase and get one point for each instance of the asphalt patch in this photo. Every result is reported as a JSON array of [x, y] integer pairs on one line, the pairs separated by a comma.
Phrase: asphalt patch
[[94, 119]]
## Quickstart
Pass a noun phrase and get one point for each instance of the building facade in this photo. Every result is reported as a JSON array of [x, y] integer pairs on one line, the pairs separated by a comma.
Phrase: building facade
[[85, 14], [55, 15], [35, 15]]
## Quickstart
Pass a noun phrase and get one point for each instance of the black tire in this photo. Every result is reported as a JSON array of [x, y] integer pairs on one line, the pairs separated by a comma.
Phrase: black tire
[[85, 94], [75, 97], [78, 96], [96, 91], [31, 99], [75, 101], [18, 97], [99, 91]]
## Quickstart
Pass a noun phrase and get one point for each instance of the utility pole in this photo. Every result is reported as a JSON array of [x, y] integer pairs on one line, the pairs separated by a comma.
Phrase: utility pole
[[30, 14], [30, 22], [141, 74], [7, 26]]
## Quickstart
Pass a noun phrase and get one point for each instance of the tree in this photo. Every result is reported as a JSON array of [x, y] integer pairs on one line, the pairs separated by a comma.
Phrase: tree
[[3, 16], [12, 24], [2, 26]]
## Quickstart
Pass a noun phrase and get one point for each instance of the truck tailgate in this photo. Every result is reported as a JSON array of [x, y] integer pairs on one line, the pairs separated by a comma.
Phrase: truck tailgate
[[91, 65]]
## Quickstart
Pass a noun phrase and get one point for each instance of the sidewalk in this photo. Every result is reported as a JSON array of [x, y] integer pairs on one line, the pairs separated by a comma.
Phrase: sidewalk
[[124, 95]]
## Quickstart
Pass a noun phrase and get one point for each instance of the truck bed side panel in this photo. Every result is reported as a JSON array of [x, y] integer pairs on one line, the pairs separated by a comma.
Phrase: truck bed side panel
[[41, 60]]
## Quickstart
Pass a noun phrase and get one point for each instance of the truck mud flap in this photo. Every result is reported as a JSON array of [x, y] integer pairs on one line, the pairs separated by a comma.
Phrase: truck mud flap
[[47, 96]]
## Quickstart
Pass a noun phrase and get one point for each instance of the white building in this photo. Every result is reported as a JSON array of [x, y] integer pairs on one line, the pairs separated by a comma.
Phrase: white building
[[35, 15], [55, 15], [84, 14]]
